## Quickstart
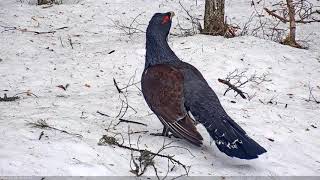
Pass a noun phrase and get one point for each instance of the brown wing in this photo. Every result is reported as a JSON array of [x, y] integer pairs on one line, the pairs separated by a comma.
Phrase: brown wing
[[162, 87]]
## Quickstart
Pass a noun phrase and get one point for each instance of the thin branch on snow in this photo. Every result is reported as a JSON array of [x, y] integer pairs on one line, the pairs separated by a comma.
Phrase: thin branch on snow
[[16, 97], [124, 101], [128, 121], [13, 28], [195, 23], [146, 157], [311, 96], [42, 124], [304, 10], [7, 99], [116, 85], [102, 114], [28, 93], [132, 28], [236, 80], [262, 27], [233, 87]]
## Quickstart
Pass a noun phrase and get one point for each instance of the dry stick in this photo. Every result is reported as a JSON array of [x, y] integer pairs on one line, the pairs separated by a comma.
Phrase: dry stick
[[126, 108], [70, 42], [144, 159], [112, 141], [43, 125], [137, 132], [123, 101], [126, 104], [7, 99], [284, 20], [28, 93], [311, 96], [41, 134], [129, 30], [116, 85], [194, 21], [102, 114], [64, 27], [133, 84], [128, 121], [35, 32], [38, 32], [233, 87]]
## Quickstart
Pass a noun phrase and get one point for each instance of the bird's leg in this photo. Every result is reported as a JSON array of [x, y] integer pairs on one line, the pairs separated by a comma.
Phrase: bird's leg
[[165, 132]]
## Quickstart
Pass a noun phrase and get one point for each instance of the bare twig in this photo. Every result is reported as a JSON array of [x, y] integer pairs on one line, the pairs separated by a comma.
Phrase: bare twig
[[12, 28], [7, 99], [236, 80], [116, 85], [133, 84], [128, 121], [42, 124], [311, 96], [28, 93], [124, 102], [133, 27], [272, 13], [41, 134], [102, 114], [148, 155], [195, 23], [232, 87]]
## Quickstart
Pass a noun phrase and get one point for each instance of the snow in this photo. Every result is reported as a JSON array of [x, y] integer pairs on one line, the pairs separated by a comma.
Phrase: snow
[[40, 63]]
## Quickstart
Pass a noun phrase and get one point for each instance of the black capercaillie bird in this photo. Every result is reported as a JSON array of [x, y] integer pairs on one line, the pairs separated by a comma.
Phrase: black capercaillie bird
[[172, 88]]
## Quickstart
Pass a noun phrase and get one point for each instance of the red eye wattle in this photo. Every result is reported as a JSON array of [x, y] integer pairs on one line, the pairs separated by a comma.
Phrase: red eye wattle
[[165, 19]]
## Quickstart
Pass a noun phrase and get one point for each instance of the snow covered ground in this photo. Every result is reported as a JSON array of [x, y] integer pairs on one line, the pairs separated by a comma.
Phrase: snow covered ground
[[79, 54]]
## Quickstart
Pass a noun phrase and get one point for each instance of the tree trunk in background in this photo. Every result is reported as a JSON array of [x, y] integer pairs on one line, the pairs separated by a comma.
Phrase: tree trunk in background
[[291, 38], [214, 23]]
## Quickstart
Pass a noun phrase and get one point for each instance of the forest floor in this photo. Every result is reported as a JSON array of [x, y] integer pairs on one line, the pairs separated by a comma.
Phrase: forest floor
[[62, 60]]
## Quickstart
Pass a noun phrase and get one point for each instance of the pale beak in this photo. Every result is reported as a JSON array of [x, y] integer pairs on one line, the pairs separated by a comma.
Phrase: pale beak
[[171, 14]]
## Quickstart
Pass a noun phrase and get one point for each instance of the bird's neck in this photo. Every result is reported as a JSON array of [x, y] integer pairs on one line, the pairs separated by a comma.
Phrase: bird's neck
[[158, 51]]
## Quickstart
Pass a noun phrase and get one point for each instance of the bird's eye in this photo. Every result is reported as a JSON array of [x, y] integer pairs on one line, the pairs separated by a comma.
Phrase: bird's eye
[[165, 19]]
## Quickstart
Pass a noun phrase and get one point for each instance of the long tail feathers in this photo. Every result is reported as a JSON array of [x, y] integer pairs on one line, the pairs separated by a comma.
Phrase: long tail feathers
[[233, 141]]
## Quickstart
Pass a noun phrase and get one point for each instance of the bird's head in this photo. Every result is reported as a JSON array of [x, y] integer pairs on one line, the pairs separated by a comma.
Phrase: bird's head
[[159, 25]]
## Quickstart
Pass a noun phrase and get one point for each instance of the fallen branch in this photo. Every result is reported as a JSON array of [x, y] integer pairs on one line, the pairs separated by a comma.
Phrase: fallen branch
[[41, 134], [116, 85], [102, 114], [42, 124], [282, 19], [238, 79], [28, 93], [7, 99], [195, 23], [109, 140], [12, 28], [130, 29], [137, 132], [128, 121], [124, 102], [232, 87], [311, 96]]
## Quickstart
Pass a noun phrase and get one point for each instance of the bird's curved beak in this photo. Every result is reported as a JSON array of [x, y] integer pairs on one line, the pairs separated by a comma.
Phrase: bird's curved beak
[[171, 14]]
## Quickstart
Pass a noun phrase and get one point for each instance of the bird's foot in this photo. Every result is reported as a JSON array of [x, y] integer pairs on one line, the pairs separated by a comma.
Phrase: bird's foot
[[165, 133]]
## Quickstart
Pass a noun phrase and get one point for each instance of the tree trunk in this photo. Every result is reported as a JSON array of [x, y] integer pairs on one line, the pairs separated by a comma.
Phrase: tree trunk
[[291, 38], [214, 17]]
